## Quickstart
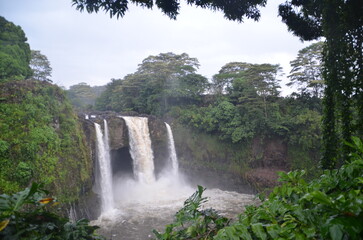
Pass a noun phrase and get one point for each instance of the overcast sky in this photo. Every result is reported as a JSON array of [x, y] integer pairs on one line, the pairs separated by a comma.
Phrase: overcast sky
[[93, 48]]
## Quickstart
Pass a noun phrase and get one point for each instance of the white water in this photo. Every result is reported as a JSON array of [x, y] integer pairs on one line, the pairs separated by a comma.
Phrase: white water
[[147, 207], [172, 153], [72, 215], [104, 164], [140, 149], [143, 203]]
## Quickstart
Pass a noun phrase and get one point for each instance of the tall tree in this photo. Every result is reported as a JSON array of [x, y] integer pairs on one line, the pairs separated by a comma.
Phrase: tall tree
[[222, 82], [14, 52], [40, 66], [307, 69], [159, 82], [247, 81], [105, 100], [83, 96]]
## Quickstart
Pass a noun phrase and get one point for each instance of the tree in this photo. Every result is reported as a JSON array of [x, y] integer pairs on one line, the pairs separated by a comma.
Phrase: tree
[[222, 82], [307, 69], [14, 52], [247, 82], [247, 94], [233, 10], [84, 96], [41, 66], [341, 23], [159, 82], [105, 100]]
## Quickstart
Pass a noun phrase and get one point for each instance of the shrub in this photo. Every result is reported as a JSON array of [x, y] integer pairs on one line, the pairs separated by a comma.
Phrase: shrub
[[26, 215]]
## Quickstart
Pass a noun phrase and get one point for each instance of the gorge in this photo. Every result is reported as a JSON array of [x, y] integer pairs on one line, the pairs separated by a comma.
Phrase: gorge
[[133, 203]]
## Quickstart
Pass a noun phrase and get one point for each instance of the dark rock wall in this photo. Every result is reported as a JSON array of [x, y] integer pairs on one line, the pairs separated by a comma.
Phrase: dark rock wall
[[269, 153], [88, 204], [159, 142], [208, 161], [118, 133]]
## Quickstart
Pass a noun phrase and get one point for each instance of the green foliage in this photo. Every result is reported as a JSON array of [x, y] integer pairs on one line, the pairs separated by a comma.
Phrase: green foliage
[[27, 215], [23, 173], [14, 52], [160, 82], [171, 8], [247, 104], [193, 223], [307, 69], [40, 140], [237, 77], [290, 118], [83, 96], [329, 207], [40, 66], [340, 23]]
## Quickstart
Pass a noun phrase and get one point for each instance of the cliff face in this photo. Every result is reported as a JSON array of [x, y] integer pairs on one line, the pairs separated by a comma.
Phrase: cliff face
[[213, 163], [42, 141], [118, 133]]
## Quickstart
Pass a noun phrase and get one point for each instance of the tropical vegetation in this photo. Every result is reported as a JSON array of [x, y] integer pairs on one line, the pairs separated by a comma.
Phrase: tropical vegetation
[[15, 52], [329, 207], [32, 214], [41, 140]]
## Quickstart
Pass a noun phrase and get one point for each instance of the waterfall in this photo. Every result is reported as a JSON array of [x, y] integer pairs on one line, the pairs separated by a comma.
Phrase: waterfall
[[172, 152], [140, 149], [106, 141], [72, 215], [104, 164]]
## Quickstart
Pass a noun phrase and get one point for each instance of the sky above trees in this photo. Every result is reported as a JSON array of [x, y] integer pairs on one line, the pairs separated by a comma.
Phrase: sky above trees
[[93, 48]]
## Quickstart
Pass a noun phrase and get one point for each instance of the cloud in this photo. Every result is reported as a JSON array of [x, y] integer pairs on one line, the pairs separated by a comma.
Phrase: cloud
[[93, 48]]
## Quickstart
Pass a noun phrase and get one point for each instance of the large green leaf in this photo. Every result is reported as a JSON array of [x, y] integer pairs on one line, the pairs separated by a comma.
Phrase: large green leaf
[[259, 231]]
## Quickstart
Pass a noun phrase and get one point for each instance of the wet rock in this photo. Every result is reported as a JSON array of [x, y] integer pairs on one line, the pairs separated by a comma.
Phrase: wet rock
[[117, 133]]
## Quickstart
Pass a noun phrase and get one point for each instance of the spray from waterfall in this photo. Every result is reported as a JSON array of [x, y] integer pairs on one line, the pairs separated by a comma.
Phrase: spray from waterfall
[[104, 164], [172, 153], [140, 149]]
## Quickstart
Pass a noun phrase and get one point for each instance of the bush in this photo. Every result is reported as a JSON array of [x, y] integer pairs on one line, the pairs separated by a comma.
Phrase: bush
[[26, 215], [193, 223]]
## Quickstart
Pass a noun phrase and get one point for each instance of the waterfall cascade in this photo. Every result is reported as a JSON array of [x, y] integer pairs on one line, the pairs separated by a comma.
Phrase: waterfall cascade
[[132, 206], [140, 149], [104, 164], [172, 152]]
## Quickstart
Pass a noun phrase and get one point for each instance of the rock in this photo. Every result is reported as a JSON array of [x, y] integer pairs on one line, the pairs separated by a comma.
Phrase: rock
[[269, 153], [117, 133]]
